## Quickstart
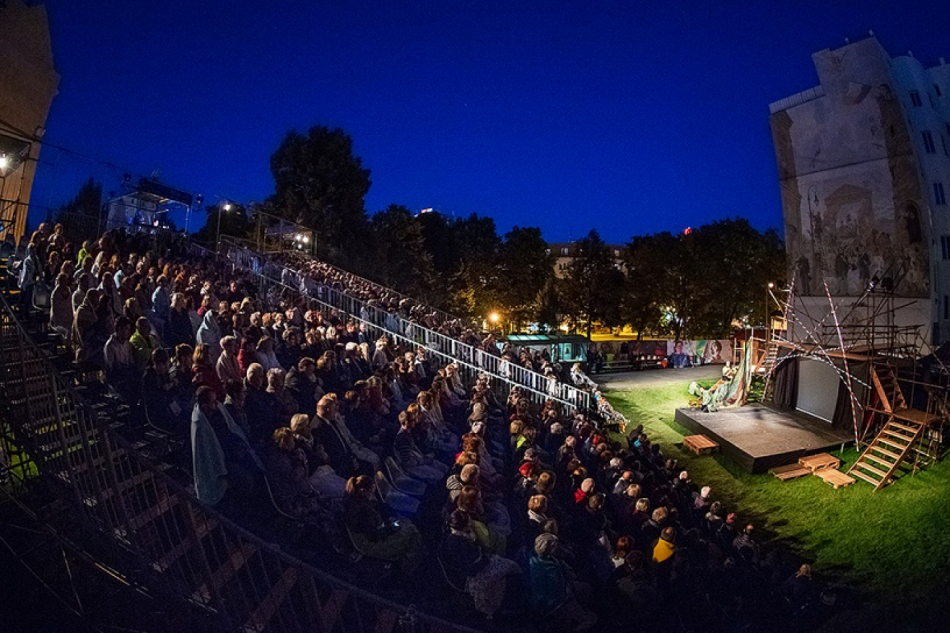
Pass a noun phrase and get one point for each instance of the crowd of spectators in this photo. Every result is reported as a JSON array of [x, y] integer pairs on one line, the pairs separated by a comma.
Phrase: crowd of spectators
[[541, 515]]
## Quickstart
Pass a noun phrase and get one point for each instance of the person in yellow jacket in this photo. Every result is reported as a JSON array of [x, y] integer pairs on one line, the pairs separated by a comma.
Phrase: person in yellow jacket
[[665, 546]]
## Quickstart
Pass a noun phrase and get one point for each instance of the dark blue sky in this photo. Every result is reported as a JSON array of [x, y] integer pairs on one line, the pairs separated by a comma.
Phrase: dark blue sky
[[631, 117]]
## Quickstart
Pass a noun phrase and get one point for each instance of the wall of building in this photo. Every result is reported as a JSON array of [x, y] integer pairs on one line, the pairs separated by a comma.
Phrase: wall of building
[[857, 183], [28, 83]]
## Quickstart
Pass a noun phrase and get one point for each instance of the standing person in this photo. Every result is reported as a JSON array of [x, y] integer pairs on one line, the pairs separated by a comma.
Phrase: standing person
[[61, 310], [30, 271]]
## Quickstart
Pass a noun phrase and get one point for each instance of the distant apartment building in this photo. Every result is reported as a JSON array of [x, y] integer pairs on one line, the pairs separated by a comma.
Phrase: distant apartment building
[[565, 252], [28, 83], [864, 172]]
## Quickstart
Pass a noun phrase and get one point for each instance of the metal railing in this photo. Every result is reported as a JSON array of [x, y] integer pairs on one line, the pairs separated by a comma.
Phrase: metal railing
[[382, 322], [173, 544], [393, 324]]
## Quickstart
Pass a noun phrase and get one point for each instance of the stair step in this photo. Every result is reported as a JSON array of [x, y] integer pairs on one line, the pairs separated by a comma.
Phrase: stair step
[[884, 451], [871, 480], [238, 558], [896, 434], [904, 427], [866, 466], [160, 507], [201, 530], [883, 440], [272, 601], [875, 458]]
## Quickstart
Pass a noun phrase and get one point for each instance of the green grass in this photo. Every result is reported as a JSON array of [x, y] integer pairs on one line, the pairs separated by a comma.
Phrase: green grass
[[894, 544]]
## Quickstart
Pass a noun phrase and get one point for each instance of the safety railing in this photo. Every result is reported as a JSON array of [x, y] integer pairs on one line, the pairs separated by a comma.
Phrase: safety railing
[[173, 544], [393, 323]]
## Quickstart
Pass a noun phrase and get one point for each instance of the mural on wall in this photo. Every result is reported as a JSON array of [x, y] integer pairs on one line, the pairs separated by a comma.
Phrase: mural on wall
[[850, 191]]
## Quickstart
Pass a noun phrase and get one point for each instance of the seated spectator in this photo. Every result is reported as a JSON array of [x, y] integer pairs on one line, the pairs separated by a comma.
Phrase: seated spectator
[[161, 396], [375, 534], [261, 407], [411, 458], [322, 478], [143, 343], [204, 373], [61, 311], [481, 573], [287, 475], [553, 589], [665, 546], [227, 366], [301, 382], [121, 371], [286, 405]]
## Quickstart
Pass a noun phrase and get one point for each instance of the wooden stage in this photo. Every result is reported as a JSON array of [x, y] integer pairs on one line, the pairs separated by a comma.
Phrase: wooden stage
[[759, 437]]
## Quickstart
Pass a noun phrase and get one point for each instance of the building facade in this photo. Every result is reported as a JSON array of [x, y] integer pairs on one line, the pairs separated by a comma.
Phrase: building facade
[[565, 252], [864, 173], [28, 83]]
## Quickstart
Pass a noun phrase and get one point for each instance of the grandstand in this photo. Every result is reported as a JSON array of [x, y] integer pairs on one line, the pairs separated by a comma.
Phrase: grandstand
[[429, 485]]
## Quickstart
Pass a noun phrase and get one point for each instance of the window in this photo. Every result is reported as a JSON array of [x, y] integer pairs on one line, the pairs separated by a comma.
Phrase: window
[[937, 90], [563, 251], [945, 246], [928, 142], [939, 196], [915, 99]]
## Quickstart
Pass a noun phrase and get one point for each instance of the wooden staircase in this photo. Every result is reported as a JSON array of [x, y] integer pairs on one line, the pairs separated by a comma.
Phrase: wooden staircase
[[899, 436]]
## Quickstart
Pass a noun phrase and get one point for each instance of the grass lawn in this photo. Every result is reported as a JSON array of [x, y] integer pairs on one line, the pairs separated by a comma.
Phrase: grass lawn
[[894, 544]]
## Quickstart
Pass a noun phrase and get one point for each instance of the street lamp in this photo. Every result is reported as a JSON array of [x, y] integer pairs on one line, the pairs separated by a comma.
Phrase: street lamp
[[768, 325], [224, 207]]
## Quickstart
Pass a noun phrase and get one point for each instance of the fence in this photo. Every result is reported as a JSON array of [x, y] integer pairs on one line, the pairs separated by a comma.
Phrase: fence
[[379, 322], [175, 546], [393, 324]]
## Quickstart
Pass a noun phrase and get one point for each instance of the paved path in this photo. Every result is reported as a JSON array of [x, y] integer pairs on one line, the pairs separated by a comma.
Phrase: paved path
[[657, 377]]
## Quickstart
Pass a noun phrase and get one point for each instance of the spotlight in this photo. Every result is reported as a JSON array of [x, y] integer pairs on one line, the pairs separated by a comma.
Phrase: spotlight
[[4, 161], [227, 206]]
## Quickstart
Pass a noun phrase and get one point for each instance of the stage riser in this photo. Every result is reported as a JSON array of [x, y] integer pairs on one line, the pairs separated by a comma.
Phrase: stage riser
[[758, 438]]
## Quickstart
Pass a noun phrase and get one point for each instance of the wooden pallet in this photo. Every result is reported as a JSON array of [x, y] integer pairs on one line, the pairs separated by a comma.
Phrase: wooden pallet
[[835, 478], [700, 444], [821, 461], [789, 471]]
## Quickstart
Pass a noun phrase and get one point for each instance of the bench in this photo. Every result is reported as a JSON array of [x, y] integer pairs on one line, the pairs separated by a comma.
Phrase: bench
[[700, 444]]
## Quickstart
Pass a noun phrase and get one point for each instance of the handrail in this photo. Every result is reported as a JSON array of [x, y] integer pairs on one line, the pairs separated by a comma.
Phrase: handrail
[[151, 520], [415, 334], [419, 334]]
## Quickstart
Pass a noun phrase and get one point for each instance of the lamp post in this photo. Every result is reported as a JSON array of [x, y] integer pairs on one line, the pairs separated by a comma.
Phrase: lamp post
[[494, 317], [768, 325], [217, 238]]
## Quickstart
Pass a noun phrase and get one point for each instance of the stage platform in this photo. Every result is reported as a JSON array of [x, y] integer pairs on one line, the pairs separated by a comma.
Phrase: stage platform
[[759, 437]]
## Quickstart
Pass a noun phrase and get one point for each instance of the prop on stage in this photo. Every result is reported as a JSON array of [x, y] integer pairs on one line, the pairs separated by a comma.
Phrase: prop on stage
[[732, 390]]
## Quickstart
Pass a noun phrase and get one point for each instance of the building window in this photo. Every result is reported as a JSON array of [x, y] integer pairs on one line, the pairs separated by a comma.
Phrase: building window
[[915, 99], [937, 90], [945, 246], [564, 251], [928, 142], [939, 196]]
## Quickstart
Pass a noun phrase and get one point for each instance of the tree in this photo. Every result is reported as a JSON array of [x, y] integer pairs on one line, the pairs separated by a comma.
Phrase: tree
[[319, 183], [592, 287], [402, 259], [526, 267], [234, 221], [81, 216], [475, 282], [646, 268]]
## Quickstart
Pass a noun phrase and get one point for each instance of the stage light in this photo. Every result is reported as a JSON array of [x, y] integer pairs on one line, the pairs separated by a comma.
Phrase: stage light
[[4, 161], [227, 206], [771, 285], [306, 239]]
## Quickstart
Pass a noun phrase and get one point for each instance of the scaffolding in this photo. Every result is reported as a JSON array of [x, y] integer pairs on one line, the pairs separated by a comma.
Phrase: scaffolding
[[906, 383]]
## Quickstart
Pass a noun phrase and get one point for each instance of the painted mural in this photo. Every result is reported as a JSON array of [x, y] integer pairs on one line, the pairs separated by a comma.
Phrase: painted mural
[[850, 191]]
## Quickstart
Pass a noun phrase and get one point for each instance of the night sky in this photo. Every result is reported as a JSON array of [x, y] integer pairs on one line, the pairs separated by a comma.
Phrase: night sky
[[628, 116]]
